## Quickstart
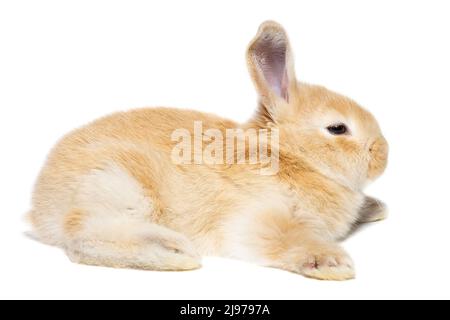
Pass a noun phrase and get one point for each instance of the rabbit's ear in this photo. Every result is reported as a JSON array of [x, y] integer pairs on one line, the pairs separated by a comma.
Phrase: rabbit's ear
[[271, 65]]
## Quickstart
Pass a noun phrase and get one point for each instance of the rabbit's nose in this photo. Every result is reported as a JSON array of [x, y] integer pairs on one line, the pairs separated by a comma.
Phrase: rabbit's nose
[[379, 153], [380, 145]]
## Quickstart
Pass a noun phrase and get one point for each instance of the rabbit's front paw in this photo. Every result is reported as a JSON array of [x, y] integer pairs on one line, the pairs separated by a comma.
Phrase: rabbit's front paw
[[372, 210], [327, 263]]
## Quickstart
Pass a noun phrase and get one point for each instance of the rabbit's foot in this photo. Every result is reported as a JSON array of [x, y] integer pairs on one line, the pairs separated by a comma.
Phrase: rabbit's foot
[[326, 262], [372, 210]]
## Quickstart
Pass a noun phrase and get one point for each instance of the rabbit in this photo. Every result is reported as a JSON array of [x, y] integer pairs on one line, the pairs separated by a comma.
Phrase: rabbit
[[111, 195]]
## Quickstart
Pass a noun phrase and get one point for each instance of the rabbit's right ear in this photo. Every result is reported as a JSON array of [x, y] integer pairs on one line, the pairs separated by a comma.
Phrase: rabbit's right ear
[[271, 66]]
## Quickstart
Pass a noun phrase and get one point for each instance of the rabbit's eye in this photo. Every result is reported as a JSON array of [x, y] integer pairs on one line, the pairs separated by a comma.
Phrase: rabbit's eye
[[337, 129]]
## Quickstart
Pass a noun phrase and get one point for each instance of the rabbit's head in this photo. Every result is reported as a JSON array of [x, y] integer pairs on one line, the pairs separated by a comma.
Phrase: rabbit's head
[[326, 130]]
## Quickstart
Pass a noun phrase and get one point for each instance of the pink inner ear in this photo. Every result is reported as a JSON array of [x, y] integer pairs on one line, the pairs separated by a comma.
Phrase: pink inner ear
[[271, 58]]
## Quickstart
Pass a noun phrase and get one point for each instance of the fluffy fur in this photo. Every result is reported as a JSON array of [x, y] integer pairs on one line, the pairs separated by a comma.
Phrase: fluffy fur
[[110, 195]]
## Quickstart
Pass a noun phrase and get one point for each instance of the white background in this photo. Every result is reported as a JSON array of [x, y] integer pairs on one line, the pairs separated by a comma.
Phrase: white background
[[64, 63]]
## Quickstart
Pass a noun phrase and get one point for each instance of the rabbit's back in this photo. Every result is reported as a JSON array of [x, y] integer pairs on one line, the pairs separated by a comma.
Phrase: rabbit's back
[[130, 152]]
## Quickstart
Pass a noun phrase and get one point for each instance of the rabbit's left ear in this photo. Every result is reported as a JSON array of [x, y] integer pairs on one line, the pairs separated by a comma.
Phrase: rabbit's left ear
[[271, 65]]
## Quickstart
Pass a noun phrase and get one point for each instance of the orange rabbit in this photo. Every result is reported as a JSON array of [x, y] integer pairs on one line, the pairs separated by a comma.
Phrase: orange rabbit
[[110, 193]]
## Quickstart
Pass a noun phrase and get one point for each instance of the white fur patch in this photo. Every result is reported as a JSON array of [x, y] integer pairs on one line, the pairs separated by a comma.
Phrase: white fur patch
[[242, 230], [112, 191]]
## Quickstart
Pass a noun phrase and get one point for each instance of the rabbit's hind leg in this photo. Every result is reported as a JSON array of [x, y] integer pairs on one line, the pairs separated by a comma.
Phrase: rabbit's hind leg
[[112, 224], [124, 243]]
